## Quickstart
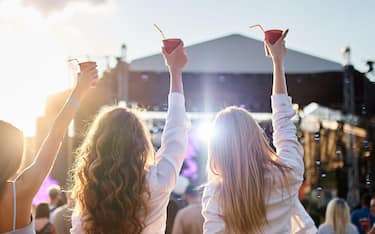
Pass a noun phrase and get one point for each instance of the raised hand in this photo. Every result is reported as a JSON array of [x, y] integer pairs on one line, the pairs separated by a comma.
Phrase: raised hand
[[87, 77], [277, 51], [177, 59]]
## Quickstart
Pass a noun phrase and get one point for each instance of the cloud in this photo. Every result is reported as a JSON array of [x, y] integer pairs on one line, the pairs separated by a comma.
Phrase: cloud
[[48, 6]]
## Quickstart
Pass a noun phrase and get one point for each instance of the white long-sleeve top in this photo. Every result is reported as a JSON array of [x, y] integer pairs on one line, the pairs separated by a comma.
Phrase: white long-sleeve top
[[161, 176], [285, 214]]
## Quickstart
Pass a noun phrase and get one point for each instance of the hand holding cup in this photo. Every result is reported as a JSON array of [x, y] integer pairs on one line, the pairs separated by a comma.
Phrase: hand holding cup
[[88, 76], [177, 59], [277, 50]]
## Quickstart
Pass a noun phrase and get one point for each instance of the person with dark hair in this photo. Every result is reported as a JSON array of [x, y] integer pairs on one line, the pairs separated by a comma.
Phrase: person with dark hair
[[189, 220], [18, 189], [363, 218], [42, 223]]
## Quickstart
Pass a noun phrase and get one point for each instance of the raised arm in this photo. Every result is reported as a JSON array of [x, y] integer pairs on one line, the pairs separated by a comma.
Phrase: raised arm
[[285, 132], [32, 177], [277, 53], [171, 154], [175, 61]]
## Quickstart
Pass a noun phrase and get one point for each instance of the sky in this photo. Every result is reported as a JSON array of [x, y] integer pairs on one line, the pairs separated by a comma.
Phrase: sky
[[37, 36]]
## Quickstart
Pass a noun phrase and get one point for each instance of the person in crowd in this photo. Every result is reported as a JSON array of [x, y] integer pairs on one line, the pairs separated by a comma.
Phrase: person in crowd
[[363, 218], [42, 222], [54, 194], [251, 188], [120, 185], [372, 214], [174, 205], [189, 220], [337, 220], [176, 202], [62, 217], [18, 189]]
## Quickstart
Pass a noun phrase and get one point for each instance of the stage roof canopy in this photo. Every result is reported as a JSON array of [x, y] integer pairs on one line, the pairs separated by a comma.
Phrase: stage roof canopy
[[236, 54]]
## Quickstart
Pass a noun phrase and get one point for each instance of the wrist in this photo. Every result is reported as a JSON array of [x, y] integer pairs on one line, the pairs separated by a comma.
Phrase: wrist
[[278, 64], [174, 70], [78, 93], [278, 61]]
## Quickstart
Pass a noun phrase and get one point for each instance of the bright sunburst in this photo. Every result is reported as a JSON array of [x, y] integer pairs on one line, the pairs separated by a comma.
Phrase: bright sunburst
[[33, 65]]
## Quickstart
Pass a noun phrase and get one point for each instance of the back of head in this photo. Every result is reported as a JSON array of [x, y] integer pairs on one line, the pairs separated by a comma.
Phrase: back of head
[[237, 155], [192, 194], [110, 185], [54, 193], [11, 151], [338, 215], [42, 210]]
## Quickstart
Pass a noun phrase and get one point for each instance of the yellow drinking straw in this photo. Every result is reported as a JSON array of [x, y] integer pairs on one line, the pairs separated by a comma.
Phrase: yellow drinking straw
[[161, 32], [257, 25]]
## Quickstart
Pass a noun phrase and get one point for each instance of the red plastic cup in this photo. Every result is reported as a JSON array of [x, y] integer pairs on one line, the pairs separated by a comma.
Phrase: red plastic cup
[[171, 44], [272, 36], [365, 224], [85, 65]]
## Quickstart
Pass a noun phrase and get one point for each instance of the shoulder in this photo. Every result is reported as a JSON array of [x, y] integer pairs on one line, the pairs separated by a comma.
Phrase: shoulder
[[210, 189], [190, 209], [325, 227], [353, 229]]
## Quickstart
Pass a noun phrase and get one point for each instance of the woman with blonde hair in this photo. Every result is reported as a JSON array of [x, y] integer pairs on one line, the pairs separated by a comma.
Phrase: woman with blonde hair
[[251, 188], [337, 219], [18, 188], [117, 189]]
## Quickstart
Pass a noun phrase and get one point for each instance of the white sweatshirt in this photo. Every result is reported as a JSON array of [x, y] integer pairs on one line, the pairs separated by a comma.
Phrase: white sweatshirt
[[285, 213], [161, 177]]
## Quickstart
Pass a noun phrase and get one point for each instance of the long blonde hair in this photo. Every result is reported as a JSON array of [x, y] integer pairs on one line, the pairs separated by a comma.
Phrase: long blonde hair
[[110, 174], [338, 215], [238, 157]]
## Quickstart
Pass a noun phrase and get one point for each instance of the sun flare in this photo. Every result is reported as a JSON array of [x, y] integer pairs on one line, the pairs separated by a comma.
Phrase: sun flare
[[33, 66]]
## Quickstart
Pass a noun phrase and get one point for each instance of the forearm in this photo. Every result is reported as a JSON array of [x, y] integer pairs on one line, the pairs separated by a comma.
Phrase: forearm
[[279, 80], [51, 144], [65, 116], [176, 81]]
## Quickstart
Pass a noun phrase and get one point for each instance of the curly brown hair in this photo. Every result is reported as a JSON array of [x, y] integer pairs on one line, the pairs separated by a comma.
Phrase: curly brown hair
[[110, 174]]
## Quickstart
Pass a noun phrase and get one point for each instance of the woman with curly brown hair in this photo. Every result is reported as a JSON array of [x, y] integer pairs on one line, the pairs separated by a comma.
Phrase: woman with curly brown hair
[[118, 189]]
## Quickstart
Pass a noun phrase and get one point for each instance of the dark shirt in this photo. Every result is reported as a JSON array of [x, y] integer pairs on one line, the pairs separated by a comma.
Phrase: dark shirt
[[361, 213]]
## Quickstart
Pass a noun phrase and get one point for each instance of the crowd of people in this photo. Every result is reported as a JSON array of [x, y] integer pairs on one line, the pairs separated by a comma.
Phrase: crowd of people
[[121, 186]]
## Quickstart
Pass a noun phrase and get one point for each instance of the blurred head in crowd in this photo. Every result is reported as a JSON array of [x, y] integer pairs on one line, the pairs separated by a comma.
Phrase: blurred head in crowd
[[192, 195], [54, 193], [338, 215], [42, 210]]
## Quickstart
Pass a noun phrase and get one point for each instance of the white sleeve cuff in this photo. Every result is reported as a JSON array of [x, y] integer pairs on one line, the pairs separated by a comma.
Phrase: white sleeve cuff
[[280, 101]]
